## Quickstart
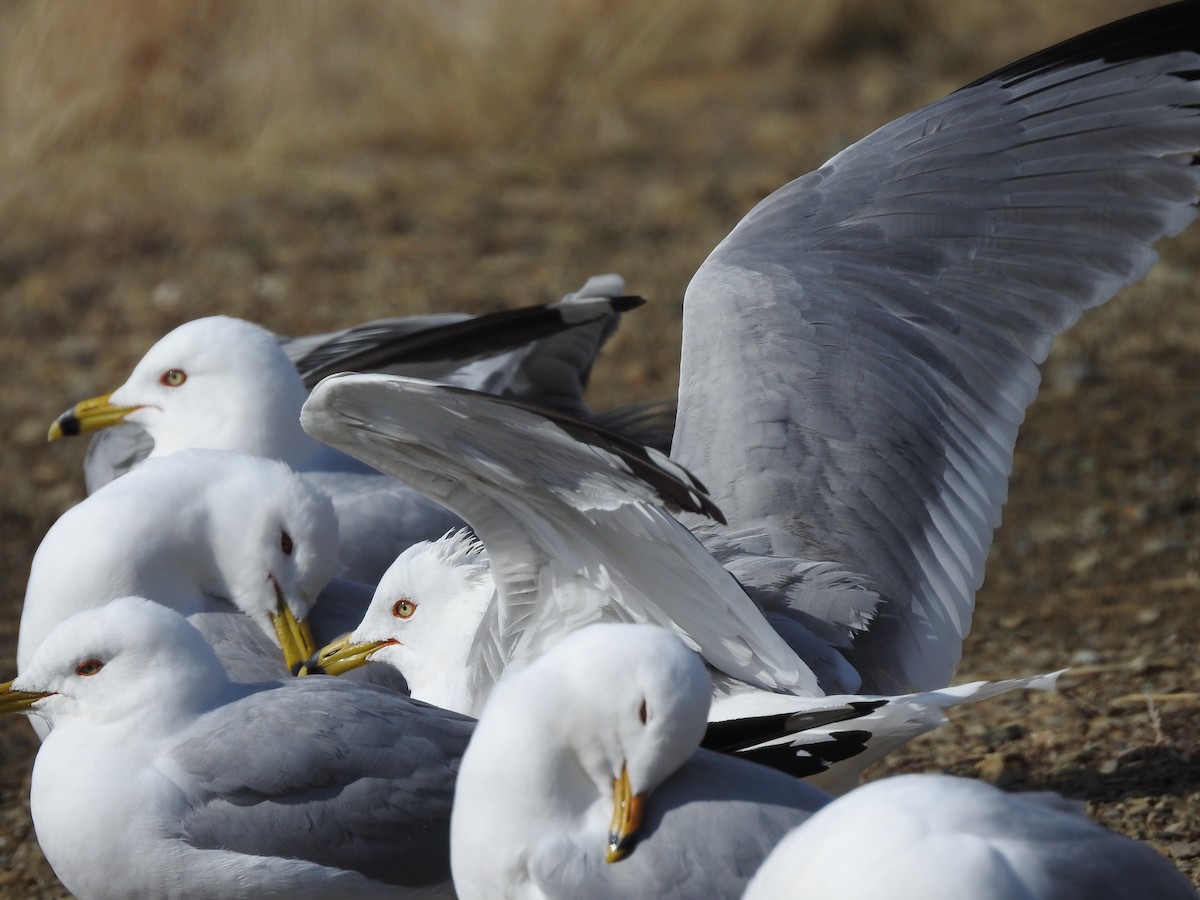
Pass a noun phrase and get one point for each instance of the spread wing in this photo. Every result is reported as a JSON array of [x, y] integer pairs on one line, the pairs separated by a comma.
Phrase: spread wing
[[859, 352]]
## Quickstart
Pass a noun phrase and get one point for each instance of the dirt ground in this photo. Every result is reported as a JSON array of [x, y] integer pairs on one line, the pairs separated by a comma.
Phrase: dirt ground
[[144, 187]]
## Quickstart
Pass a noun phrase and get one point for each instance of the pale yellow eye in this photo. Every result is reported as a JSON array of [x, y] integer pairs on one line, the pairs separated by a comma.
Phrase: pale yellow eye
[[403, 608], [172, 378]]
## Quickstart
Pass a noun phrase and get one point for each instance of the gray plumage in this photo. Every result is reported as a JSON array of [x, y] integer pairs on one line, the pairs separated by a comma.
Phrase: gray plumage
[[859, 352], [357, 777]]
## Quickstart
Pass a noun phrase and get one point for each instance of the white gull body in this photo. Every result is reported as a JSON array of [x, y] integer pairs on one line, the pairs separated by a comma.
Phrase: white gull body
[[161, 778], [612, 711], [936, 837], [223, 538]]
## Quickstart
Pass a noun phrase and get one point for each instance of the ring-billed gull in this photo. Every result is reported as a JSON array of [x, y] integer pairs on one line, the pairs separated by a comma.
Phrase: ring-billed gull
[[573, 523], [424, 620], [162, 778], [242, 545], [935, 837], [583, 779], [228, 384]]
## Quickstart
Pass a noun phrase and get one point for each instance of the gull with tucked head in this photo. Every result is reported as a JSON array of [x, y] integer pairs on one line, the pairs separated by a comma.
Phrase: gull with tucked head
[[584, 779], [240, 544]]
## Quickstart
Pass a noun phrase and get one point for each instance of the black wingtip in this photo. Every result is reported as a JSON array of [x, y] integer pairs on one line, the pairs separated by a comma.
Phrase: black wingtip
[[810, 758], [735, 735], [626, 302], [1155, 32]]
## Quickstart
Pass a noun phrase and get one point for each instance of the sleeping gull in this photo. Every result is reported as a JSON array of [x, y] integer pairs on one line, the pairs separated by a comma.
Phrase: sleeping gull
[[935, 837], [583, 779], [163, 778], [228, 384], [240, 544]]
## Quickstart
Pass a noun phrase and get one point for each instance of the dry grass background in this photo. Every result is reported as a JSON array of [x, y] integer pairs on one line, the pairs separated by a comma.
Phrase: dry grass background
[[307, 164]]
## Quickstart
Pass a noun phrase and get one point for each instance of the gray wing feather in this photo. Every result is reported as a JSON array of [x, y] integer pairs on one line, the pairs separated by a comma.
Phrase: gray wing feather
[[319, 352], [112, 452], [555, 371], [573, 522], [346, 775], [542, 352], [859, 352]]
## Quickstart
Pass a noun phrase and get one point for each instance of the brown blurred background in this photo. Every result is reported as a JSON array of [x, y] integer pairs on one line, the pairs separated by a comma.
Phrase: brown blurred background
[[310, 164]]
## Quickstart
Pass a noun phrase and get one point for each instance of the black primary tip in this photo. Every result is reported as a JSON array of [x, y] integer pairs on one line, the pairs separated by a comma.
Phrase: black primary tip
[[627, 302]]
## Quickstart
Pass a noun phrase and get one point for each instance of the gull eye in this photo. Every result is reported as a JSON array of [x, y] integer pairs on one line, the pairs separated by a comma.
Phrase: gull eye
[[403, 608], [643, 713], [89, 667], [285, 543], [172, 378]]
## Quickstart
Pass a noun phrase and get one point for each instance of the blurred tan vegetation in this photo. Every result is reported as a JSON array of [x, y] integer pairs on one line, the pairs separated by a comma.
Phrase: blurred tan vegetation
[[155, 129], [275, 79], [283, 79]]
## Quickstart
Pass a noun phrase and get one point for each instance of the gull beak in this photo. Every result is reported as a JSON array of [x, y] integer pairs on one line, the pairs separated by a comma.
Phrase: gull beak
[[88, 416], [340, 656], [14, 701], [626, 819], [295, 637]]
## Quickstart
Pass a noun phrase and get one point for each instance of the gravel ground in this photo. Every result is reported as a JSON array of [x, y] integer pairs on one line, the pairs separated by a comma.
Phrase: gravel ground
[[1095, 567]]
